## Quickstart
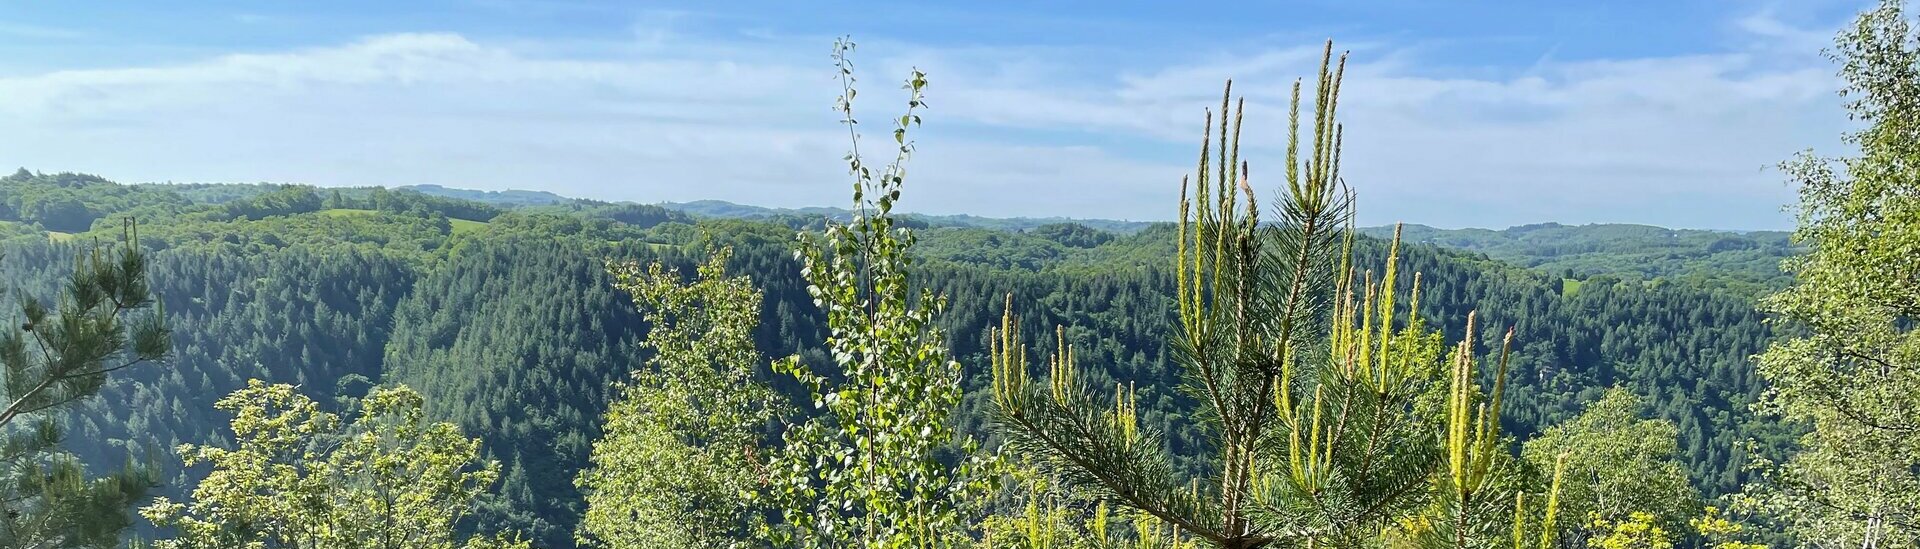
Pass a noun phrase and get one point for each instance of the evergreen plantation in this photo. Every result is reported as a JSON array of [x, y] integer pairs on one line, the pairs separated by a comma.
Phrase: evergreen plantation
[[448, 368], [521, 341]]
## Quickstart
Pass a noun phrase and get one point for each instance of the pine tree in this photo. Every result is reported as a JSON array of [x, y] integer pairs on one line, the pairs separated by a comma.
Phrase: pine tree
[[1322, 408], [54, 357]]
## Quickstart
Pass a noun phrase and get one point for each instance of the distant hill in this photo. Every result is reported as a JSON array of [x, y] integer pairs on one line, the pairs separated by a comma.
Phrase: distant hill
[[729, 210], [720, 209], [37, 205], [507, 198], [1581, 251]]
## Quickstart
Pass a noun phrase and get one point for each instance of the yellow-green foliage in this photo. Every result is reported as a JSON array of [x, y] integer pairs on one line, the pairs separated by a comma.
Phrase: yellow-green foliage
[[866, 469], [1470, 496], [1720, 533], [1054, 520], [344, 212], [298, 476], [1853, 372], [1638, 531], [1619, 463], [1047, 515], [1310, 377], [680, 460], [462, 226]]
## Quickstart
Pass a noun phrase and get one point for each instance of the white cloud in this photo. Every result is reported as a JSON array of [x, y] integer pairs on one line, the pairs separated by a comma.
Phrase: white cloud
[[1676, 140]]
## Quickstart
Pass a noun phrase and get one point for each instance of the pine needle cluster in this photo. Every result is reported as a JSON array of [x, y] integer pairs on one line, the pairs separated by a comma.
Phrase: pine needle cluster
[[1315, 383], [53, 356]]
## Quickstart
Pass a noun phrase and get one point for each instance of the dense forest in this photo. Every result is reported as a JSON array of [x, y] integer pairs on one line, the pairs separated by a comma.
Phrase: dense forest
[[522, 341], [530, 370]]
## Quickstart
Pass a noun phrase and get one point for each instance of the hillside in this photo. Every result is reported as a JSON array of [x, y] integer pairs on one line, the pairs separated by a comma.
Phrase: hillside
[[1744, 259], [723, 209], [503, 317], [506, 198]]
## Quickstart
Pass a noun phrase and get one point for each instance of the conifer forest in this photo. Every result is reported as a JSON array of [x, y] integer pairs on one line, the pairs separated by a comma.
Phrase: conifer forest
[[282, 365]]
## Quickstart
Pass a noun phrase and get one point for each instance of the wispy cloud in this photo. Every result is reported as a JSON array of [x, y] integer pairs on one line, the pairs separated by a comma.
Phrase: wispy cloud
[[38, 32], [1677, 140], [1768, 31]]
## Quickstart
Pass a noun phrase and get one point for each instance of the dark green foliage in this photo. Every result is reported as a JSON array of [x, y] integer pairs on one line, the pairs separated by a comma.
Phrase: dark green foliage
[[1681, 348], [417, 204], [637, 215], [52, 357], [511, 328], [994, 249], [70, 202], [17, 231], [523, 343], [505, 199], [416, 239], [288, 200], [729, 210], [1072, 235], [316, 319], [1744, 261], [218, 193]]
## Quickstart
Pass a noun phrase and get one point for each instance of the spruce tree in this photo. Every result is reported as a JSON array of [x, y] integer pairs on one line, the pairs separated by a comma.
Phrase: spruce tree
[[54, 356]]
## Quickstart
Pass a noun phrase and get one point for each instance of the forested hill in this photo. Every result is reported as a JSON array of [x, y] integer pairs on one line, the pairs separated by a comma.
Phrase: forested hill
[[1740, 260], [723, 209], [1744, 260], [510, 197], [501, 313]]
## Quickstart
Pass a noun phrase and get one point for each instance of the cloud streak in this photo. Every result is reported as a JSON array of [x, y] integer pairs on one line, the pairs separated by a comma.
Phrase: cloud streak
[[1678, 141]]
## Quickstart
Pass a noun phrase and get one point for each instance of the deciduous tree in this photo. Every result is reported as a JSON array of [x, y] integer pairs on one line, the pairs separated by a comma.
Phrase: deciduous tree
[[1617, 465], [299, 476], [681, 465], [1854, 375], [868, 470]]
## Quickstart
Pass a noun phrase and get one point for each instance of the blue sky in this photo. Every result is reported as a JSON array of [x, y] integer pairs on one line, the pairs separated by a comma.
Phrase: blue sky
[[1484, 114]]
